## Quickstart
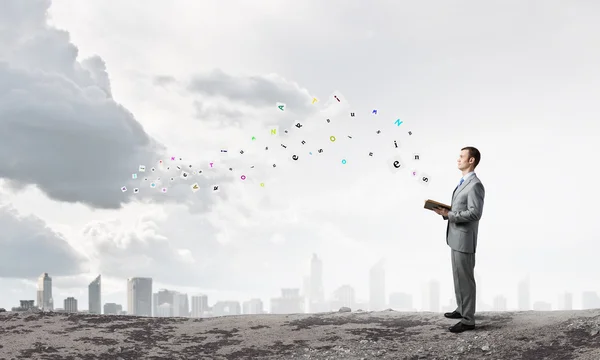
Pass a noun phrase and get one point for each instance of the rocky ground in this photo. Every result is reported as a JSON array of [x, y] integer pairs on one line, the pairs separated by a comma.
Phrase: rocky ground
[[388, 334]]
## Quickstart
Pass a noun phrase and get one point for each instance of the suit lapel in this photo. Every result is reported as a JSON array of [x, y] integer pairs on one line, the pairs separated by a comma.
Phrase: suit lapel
[[461, 187]]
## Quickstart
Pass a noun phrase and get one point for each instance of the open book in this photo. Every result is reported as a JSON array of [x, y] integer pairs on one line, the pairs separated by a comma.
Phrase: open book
[[432, 204]]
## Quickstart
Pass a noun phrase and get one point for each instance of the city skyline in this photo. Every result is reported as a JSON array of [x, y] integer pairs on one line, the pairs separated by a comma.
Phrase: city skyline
[[89, 105], [140, 293]]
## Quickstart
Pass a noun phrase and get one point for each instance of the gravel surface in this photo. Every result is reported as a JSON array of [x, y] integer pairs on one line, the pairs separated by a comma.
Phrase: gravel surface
[[560, 335]]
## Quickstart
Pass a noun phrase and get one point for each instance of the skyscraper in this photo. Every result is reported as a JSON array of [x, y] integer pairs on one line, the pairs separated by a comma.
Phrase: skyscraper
[[224, 308], [71, 305], [590, 300], [199, 305], [112, 309], [305, 293], [377, 286], [253, 306], [499, 303], [44, 293], [155, 304], [163, 296], [164, 310], [181, 306], [565, 301], [94, 296], [431, 296], [290, 302], [344, 296], [139, 296], [523, 295], [316, 293], [177, 303]]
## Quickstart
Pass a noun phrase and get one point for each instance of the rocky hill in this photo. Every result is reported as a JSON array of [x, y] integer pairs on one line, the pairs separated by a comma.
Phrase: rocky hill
[[557, 335]]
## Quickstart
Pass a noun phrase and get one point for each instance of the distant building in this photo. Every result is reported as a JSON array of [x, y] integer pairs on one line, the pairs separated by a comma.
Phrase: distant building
[[377, 286], [290, 302], [163, 296], [542, 306], [199, 306], [71, 305], [164, 310], [524, 295], [25, 305], [224, 308], [44, 293], [431, 296], [139, 296], [500, 303], [253, 306], [155, 304], [178, 304], [590, 300], [565, 301], [401, 301], [95, 296], [344, 296], [316, 292], [113, 309], [306, 292], [181, 306]]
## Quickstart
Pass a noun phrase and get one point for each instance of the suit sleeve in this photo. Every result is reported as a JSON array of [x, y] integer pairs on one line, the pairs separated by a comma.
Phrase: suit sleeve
[[474, 206]]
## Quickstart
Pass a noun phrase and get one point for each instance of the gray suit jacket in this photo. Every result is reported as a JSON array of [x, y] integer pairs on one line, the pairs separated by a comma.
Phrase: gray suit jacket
[[463, 219]]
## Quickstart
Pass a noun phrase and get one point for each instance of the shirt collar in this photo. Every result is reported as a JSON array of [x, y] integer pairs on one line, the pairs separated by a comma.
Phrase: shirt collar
[[468, 175]]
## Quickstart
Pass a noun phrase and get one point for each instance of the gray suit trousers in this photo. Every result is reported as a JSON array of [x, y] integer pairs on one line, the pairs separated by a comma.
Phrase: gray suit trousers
[[463, 270]]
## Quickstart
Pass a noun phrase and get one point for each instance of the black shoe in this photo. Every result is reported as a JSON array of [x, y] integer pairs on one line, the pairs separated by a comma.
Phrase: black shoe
[[460, 327], [453, 315]]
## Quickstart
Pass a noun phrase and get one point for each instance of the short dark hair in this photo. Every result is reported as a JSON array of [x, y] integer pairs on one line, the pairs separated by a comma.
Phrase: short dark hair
[[473, 153]]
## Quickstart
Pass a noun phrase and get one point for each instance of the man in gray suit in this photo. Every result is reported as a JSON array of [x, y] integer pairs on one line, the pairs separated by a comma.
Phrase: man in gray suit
[[461, 236]]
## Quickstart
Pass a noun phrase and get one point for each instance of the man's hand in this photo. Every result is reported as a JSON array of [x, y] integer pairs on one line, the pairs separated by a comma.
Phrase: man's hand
[[441, 211]]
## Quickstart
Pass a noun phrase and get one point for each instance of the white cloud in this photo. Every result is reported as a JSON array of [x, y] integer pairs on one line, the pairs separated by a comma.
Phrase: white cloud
[[59, 127], [29, 248]]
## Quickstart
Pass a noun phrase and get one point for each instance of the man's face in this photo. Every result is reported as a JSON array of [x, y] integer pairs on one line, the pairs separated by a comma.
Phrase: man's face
[[463, 160]]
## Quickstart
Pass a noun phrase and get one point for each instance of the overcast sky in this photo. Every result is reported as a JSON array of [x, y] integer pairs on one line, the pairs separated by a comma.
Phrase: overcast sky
[[91, 90]]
